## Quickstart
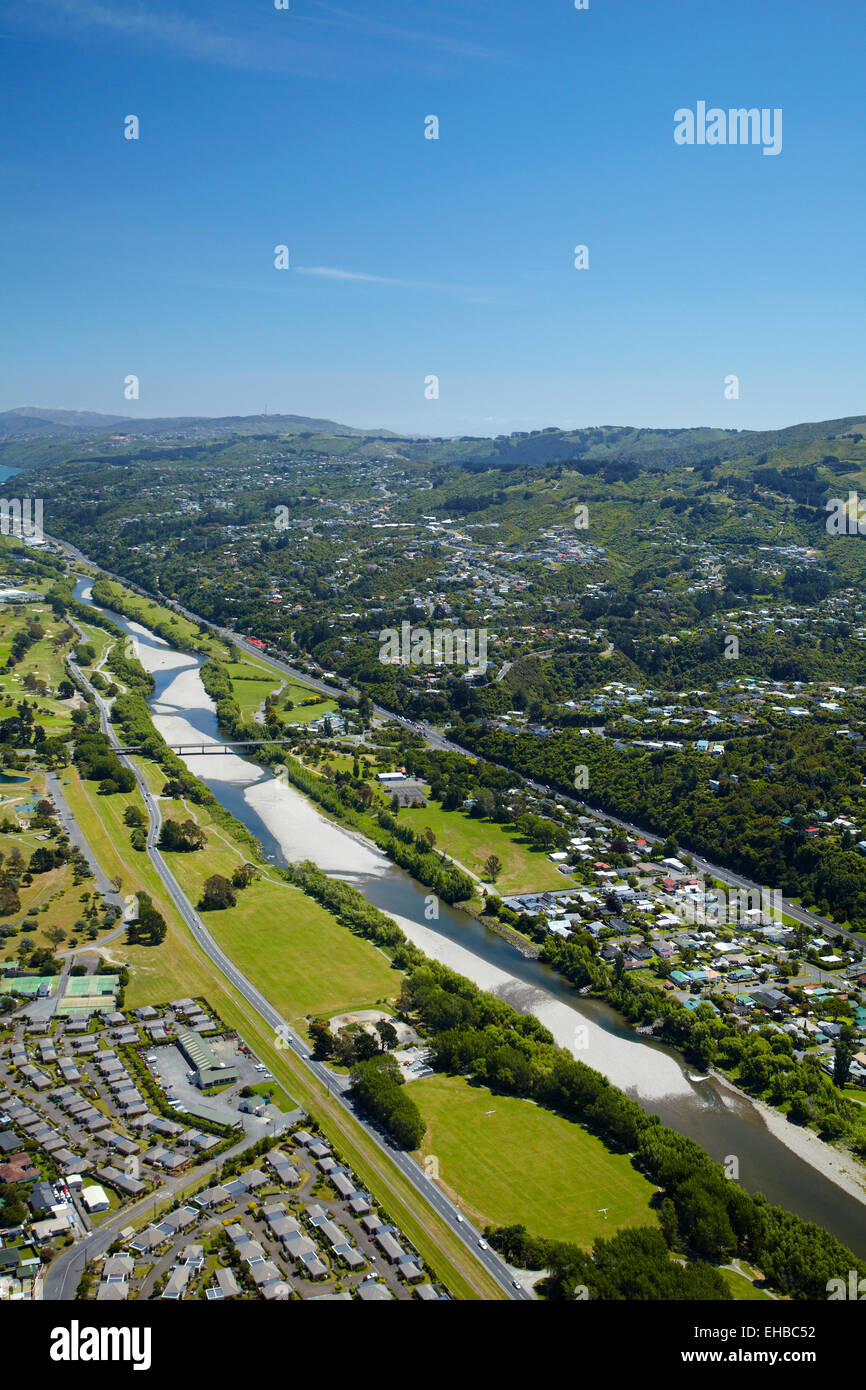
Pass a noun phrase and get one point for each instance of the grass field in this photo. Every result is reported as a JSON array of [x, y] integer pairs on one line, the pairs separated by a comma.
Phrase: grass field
[[522, 1164], [471, 841], [252, 683], [52, 895], [44, 661], [742, 1288], [291, 948], [146, 612]]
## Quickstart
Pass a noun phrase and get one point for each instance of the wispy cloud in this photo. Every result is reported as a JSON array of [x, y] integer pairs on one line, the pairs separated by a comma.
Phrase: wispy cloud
[[365, 24], [261, 40], [330, 272], [201, 40]]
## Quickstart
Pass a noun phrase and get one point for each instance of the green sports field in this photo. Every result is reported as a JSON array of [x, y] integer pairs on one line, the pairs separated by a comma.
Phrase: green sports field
[[289, 946], [469, 841], [510, 1162]]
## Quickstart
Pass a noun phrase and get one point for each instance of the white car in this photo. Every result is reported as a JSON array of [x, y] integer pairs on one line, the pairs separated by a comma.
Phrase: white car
[[482, 1245]]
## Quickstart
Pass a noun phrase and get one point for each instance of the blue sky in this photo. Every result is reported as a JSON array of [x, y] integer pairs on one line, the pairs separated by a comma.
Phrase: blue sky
[[413, 257]]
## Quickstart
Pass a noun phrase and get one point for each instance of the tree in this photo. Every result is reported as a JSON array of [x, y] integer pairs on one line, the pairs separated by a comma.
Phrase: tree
[[843, 1054], [387, 1034], [9, 900], [365, 1046], [322, 1038], [429, 836], [41, 860], [183, 836], [377, 1086], [150, 928], [493, 867], [13, 1208], [55, 936], [217, 894]]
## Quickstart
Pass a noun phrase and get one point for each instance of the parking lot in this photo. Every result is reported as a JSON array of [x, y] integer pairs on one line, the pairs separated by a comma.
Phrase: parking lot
[[172, 1070]]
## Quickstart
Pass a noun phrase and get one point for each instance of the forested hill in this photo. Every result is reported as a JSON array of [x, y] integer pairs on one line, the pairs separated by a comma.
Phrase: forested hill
[[649, 449]]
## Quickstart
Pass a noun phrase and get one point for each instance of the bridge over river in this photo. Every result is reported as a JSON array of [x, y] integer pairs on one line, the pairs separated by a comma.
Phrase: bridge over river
[[188, 749]]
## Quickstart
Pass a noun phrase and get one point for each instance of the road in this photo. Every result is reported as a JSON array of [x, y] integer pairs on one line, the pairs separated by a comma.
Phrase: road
[[337, 1086], [64, 1273], [437, 741]]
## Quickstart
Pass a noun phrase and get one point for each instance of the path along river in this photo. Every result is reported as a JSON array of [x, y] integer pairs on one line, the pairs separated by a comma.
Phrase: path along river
[[792, 1167]]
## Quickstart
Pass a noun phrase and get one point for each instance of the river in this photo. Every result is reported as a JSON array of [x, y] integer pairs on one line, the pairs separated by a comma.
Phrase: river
[[290, 827]]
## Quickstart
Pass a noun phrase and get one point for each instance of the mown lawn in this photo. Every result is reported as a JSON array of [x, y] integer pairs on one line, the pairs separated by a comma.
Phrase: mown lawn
[[146, 612], [291, 948], [159, 974], [742, 1288], [522, 1164], [470, 841]]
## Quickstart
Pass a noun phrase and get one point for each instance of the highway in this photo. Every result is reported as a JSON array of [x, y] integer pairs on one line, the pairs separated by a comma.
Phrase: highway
[[438, 741], [338, 1086], [335, 1085]]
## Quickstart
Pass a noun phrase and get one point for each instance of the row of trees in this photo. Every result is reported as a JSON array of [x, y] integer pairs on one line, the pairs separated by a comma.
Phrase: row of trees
[[97, 762], [702, 1212], [149, 929], [634, 1264], [379, 1088], [762, 1061]]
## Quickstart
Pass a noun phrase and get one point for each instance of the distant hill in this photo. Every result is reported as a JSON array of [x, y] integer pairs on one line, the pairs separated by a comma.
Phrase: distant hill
[[32, 422], [648, 448]]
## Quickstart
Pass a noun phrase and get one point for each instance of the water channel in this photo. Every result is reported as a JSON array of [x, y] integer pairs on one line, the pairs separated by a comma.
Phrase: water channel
[[290, 827]]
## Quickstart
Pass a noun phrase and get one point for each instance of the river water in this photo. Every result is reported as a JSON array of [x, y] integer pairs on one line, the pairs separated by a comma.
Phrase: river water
[[290, 827]]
